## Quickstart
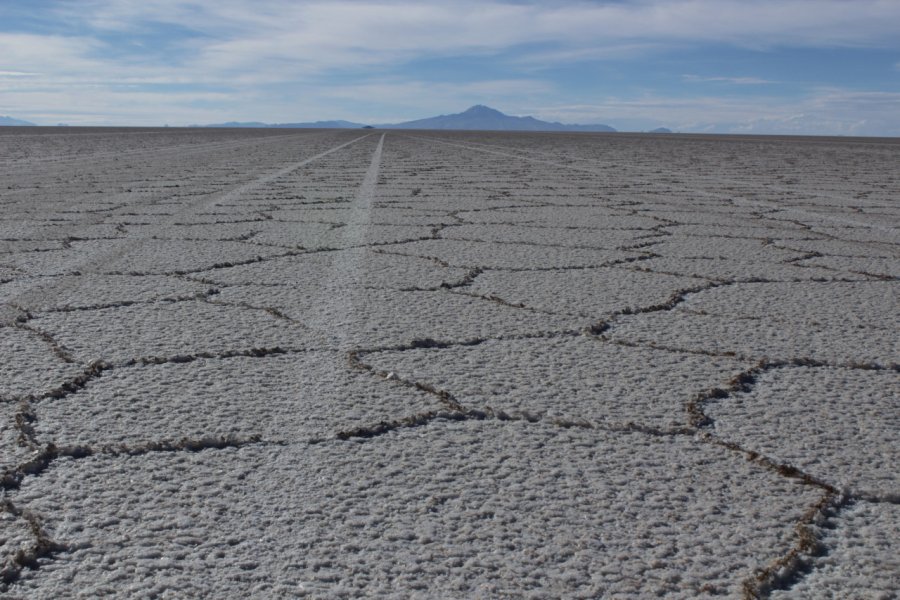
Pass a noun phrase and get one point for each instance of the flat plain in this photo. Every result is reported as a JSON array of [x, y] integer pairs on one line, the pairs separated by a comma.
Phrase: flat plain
[[335, 364]]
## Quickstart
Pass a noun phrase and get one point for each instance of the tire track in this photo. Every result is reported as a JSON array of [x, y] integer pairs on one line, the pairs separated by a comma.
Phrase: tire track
[[349, 266], [121, 247]]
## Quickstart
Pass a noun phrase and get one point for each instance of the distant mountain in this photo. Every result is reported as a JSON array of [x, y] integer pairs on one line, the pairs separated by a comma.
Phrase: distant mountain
[[484, 118], [233, 124], [660, 130], [478, 117], [10, 122], [315, 125]]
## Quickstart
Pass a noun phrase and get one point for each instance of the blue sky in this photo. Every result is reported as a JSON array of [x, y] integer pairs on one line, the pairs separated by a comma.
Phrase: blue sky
[[786, 66]]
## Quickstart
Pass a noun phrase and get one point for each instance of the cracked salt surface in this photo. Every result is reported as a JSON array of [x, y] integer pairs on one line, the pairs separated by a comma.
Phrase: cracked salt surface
[[570, 379], [593, 293], [862, 561], [397, 216], [842, 248], [870, 304], [724, 248], [834, 342], [287, 397], [12, 247], [293, 363], [47, 232], [609, 239], [458, 253], [840, 322], [316, 236], [454, 509], [563, 216], [743, 270], [29, 365], [15, 538], [12, 453], [839, 425], [239, 231], [375, 317], [881, 267], [877, 234], [171, 330], [149, 257], [331, 268], [89, 290], [786, 235]]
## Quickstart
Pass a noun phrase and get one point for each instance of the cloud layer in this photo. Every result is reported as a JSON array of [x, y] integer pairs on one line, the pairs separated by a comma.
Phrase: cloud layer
[[153, 61]]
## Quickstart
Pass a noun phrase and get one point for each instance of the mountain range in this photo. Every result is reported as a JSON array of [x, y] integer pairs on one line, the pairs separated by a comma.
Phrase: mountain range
[[10, 122], [312, 125], [479, 117], [485, 118]]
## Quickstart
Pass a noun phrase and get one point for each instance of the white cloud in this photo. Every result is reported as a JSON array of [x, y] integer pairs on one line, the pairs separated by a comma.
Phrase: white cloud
[[312, 37], [467, 22], [299, 59], [322, 35], [278, 40], [30, 53], [826, 111], [734, 80]]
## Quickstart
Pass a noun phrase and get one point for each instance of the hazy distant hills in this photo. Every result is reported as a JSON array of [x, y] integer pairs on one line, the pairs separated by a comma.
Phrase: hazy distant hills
[[484, 118], [476, 118], [313, 125], [10, 122], [479, 118]]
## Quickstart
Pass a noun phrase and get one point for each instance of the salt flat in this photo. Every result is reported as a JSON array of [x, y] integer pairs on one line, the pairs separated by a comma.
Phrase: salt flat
[[334, 364]]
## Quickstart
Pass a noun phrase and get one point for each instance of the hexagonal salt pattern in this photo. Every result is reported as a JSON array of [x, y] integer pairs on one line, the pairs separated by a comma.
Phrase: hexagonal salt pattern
[[871, 305], [839, 322], [855, 265], [16, 541], [723, 248], [449, 509], [743, 270], [592, 293], [168, 330], [29, 365], [89, 291], [839, 343], [375, 318], [143, 256], [541, 234], [838, 248], [860, 558], [319, 236], [459, 253], [288, 397], [12, 248], [839, 425], [358, 267], [566, 216], [569, 378], [448, 364], [12, 451]]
